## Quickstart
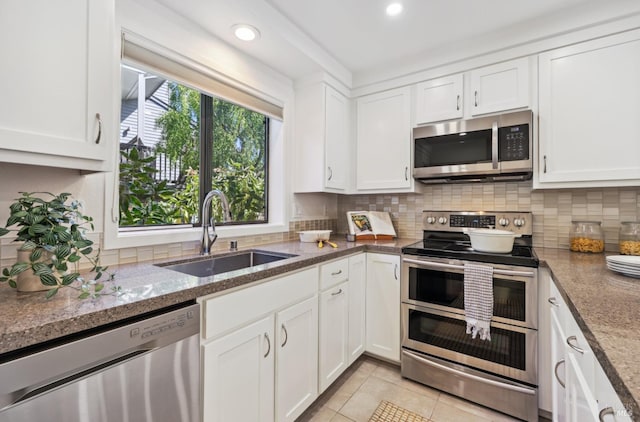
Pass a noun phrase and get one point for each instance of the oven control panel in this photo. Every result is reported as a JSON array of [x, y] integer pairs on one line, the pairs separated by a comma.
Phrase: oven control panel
[[457, 221]]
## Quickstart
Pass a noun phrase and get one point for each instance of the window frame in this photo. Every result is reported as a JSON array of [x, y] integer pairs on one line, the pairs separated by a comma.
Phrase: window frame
[[278, 185]]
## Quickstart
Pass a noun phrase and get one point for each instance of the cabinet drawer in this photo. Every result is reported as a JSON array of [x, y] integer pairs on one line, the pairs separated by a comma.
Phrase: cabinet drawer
[[228, 311], [333, 273]]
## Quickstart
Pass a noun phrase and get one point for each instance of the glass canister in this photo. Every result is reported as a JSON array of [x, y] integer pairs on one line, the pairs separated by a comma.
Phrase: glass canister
[[586, 236], [629, 238]]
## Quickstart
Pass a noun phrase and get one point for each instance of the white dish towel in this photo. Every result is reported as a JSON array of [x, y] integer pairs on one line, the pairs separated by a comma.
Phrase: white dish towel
[[478, 299]]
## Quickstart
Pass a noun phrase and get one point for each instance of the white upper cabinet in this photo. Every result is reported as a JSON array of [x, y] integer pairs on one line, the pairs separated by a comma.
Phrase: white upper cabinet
[[588, 112], [439, 99], [503, 86], [322, 139], [57, 83], [383, 141], [490, 89]]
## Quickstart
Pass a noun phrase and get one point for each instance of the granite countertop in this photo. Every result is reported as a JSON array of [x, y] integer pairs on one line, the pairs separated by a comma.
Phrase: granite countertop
[[29, 319], [606, 306]]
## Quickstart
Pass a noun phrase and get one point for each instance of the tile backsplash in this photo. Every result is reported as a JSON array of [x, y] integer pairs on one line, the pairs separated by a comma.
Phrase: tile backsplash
[[553, 210]]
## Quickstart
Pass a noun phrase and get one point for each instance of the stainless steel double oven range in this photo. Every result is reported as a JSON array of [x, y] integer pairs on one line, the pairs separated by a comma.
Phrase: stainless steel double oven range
[[500, 373]]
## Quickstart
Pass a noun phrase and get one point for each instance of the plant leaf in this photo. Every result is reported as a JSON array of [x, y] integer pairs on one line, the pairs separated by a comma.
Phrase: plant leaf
[[38, 229], [5, 272], [63, 251], [69, 278], [86, 251], [48, 280], [64, 236], [40, 268], [28, 246], [36, 254], [3, 231], [51, 293], [13, 284], [84, 295], [18, 268], [73, 258], [98, 287]]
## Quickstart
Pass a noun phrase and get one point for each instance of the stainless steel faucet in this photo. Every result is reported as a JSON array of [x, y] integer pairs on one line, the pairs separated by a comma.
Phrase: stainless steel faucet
[[209, 238]]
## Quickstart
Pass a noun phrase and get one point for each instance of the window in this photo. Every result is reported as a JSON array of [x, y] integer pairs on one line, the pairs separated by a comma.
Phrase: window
[[177, 143]]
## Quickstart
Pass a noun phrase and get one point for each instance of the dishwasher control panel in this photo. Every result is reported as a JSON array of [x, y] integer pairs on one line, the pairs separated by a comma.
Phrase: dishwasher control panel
[[163, 324]]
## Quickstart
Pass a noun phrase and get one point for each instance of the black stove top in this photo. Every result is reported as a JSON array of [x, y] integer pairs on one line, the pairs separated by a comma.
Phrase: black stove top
[[521, 255]]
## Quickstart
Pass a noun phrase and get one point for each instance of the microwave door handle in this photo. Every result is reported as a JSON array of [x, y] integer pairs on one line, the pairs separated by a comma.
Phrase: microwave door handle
[[494, 145]]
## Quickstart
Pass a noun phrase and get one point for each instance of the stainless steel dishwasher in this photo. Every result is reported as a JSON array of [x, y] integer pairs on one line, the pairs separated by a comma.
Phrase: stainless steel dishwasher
[[147, 370]]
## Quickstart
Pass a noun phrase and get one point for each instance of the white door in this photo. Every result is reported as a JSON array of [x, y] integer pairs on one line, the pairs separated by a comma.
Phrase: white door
[[296, 359], [238, 375], [334, 327], [588, 112], [383, 140], [357, 311], [499, 87], [439, 99], [383, 305], [336, 139], [57, 80]]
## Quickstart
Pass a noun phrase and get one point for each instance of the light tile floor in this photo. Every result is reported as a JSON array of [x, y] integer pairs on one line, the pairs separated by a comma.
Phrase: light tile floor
[[356, 395]]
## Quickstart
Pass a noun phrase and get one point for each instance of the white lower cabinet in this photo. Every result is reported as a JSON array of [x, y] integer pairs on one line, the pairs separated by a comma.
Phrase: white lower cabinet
[[238, 382], [383, 306], [296, 359], [581, 391], [357, 310], [334, 333], [259, 350]]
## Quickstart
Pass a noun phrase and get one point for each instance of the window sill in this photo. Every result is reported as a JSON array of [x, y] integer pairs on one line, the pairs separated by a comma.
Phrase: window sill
[[140, 238]]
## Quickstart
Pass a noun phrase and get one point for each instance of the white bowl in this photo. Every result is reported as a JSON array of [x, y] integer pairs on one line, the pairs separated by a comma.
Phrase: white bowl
[[491, 240], [314, 235]]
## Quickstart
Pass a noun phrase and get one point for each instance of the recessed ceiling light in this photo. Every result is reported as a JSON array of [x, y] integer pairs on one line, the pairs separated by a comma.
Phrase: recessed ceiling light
[[245, 32], [394, 9]]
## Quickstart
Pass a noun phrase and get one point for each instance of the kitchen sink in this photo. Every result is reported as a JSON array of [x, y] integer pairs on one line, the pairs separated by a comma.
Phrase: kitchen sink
[[221, 264]]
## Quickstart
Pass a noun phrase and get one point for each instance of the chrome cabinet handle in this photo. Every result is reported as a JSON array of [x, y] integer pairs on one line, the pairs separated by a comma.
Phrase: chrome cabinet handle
[[99, 128], [553, 301], [438, 265], [475, 95], [337, 272], [406, 173], [286, 336], [494, 145], [336, 293], [574, 347], [604, 412], [555, 371], [330, 173], [545, 164], [268, 345], [395, 271], [458, 102]]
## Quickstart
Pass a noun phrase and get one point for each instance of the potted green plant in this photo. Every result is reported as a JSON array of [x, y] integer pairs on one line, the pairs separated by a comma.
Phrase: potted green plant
[[52, 229]]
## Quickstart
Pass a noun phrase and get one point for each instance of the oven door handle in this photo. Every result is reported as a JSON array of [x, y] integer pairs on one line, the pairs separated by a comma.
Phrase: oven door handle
[[471, 376], [440, 265]]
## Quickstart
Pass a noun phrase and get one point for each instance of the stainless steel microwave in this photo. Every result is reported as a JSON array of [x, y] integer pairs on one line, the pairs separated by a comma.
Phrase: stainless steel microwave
[[494, 148]]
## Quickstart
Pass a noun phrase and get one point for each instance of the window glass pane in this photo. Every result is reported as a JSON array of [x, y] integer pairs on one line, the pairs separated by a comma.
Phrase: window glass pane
[[162, 140], [239, 160]]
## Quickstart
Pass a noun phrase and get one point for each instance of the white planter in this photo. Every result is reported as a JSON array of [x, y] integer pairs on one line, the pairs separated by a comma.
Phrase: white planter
[[27, 281]]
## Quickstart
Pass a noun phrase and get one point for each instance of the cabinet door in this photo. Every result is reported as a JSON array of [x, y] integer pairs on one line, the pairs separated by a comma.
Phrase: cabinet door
[[558, 369], [336, 139], [581, 404], [57, 93], [296, 359], [357, 315], [334, 326], [588, 112], [439, 99], [503, 86], [383, 141], [238, 375], [383, 305]]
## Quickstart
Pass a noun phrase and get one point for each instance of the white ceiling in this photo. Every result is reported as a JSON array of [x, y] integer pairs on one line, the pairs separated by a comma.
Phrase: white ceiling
[[349, 38]]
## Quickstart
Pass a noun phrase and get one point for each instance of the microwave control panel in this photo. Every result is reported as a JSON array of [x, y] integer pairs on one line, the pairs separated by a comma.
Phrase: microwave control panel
[[513, 143]]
